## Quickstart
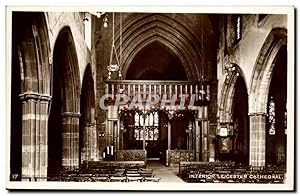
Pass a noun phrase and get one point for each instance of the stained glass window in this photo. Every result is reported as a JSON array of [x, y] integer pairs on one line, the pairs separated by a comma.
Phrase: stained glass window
[[237, 24], [136, 119], [238, 28], [156, 118], [285, 121], [141, 120], [150, 119], [271, 115], [136, 133], [150, 134], [151, 122], [155, 134]]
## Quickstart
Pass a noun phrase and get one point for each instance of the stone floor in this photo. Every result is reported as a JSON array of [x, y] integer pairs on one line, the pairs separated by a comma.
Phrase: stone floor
[[167, 174]]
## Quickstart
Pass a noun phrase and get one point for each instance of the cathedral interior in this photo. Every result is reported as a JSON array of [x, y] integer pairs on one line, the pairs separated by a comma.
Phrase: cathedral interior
[[230, 68]]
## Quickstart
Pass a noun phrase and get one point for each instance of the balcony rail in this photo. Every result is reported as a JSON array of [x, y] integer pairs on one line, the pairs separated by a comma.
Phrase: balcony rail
[[148, 88]]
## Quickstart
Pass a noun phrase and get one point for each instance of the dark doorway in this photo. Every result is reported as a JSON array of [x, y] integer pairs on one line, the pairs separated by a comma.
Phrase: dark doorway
[[87, 110], [276, 120], [240, 138], [63, 144], [156, 62]]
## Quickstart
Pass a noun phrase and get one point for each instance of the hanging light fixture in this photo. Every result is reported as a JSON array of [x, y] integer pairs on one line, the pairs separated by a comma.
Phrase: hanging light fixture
[[204, 91], [113, 67], [121, 40]]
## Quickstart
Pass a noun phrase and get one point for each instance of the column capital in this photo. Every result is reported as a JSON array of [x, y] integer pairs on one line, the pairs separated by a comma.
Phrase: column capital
[[35, 96], [70, 114], [257, 114], [89, 124], [171, 114]]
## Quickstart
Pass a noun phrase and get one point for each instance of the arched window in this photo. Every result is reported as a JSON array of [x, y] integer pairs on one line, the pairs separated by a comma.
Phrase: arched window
[[238, 27], [285, 121], [271, 116], [151, 122]]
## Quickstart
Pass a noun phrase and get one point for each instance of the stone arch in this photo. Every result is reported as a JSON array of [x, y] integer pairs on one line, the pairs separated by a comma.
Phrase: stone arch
[[163, 43], [70, 70], [227, 93], [64, 116], [143, 30], [30, 94], [259, 90], [88, 136], [262, 74], [32, 48]]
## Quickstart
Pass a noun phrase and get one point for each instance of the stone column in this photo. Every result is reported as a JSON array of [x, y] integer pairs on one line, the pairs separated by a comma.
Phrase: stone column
[[202, 134], [169, 135], [257, 139], [197, 142], [94, 143], [34, 136], [121, 132], [170, 117], [90, 148], [109, 133], [70, 140], [211, 144]]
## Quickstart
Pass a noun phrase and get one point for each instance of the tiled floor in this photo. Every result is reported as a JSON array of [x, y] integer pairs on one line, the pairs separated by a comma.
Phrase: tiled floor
[[167, 174]]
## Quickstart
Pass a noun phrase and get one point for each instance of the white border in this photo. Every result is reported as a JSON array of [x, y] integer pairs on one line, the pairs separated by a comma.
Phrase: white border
[[160, 186]]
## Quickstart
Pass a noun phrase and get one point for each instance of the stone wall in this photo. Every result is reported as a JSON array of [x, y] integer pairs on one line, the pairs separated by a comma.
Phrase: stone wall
[[252, 56], [245, 52], [58, 20]]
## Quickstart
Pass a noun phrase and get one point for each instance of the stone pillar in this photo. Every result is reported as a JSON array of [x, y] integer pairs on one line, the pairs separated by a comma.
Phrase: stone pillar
[[190, 139], [169, 134], [116, 136], [34, 136], [70, 140], [211, 138], [90, 148], [121, 132], [144, 131], [170, 117], [197, 142], [109, 133], [257, 139], [204, 137], [202, 134]]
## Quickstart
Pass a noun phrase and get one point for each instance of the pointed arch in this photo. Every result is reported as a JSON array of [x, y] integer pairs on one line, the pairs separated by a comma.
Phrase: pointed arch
[[149, 53], [227, 94], [64, 116], [146, 29], [88, 137], [65, 64], [259, 91], [262, 74]]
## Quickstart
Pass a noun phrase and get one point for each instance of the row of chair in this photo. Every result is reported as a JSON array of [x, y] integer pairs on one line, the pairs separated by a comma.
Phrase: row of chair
[[108, 179], [108, 175]]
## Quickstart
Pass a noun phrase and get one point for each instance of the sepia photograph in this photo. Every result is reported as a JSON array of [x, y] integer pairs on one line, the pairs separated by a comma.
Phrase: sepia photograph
[[150, 98]]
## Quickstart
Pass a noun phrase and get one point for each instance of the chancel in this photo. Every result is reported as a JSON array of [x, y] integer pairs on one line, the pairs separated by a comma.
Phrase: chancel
[[148, 97]]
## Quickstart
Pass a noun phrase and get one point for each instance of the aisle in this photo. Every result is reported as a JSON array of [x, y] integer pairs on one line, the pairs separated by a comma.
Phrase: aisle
[[167, 174]]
